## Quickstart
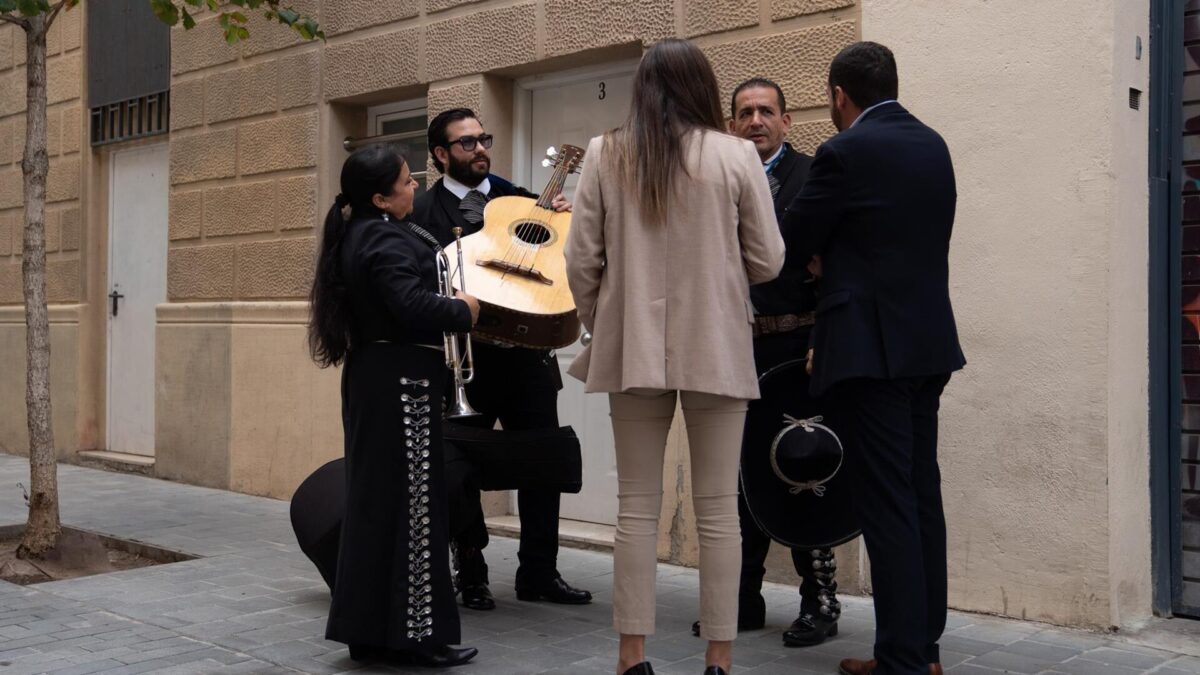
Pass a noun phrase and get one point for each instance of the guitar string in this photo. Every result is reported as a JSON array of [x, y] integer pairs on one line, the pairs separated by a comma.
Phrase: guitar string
[[555, 185]]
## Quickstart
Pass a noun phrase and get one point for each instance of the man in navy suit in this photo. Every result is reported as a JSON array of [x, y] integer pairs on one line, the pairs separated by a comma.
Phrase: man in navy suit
[[878, 208]]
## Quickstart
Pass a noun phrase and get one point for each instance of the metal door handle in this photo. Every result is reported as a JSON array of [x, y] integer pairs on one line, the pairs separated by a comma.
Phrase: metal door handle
[[116, 296]]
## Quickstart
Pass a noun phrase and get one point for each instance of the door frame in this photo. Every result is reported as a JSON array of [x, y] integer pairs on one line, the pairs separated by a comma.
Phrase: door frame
[[523, 89], [110, 161], [1165, 327]]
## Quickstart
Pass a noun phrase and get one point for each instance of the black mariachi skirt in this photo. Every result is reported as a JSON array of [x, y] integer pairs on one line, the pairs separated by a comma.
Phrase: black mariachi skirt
[[393, 586]]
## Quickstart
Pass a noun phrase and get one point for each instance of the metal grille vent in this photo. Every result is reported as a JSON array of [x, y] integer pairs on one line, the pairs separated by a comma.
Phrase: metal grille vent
[[1135, 98], [139, 117]]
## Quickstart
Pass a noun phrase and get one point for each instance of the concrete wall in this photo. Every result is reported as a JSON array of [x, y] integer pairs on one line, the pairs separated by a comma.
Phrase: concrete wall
[[1044, 448], [64, 228]]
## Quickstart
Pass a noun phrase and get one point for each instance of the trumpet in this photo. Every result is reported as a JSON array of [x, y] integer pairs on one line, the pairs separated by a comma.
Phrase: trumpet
[[461, 367]]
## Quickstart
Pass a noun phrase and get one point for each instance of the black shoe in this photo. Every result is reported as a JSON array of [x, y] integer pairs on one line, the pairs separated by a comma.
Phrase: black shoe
[[553, 589], [643, 668], [433, 656], [714, 670], [478, 596], [808, 630], [363, 652]]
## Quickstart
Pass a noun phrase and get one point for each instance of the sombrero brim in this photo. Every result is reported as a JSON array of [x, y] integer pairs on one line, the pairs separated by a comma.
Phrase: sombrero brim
[[802, 520]]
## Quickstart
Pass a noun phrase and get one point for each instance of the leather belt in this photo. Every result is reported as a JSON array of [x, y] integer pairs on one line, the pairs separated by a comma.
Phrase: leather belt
[[782, 323]]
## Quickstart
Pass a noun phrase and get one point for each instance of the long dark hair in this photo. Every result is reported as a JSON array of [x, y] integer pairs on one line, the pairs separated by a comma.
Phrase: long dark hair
[[371, 170], [674, 92]]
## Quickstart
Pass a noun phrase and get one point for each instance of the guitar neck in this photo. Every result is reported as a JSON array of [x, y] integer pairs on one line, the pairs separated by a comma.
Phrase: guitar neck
[[553, 187]]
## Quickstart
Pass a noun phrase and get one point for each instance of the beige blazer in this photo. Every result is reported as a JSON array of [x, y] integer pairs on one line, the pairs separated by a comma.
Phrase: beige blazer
[[668, 305]]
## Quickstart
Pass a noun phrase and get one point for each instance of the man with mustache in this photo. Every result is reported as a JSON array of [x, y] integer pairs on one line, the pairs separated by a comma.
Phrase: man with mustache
[[515, 385], [783, 310]]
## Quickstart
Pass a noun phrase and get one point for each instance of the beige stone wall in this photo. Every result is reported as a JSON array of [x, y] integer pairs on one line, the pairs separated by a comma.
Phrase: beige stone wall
[[64, 228], [1043, 448]]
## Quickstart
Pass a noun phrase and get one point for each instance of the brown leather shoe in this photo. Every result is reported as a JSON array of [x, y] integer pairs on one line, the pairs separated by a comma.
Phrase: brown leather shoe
[[860, 667]]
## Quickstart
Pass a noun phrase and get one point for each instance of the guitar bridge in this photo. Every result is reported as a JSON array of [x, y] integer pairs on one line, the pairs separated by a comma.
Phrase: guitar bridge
[[510, 268]]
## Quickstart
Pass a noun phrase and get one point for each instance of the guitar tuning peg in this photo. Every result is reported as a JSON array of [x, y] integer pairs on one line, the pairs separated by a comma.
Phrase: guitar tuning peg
[[551, 151], [547, 163]]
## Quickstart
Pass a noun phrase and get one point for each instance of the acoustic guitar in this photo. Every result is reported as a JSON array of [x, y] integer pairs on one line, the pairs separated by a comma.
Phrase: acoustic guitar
[[515, 266]]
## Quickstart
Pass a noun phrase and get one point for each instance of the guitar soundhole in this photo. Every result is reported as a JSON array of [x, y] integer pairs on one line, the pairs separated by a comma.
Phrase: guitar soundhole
[[532, 232]]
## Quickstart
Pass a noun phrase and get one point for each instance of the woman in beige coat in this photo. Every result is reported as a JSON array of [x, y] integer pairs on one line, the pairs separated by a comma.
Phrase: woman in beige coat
[[673, 221]]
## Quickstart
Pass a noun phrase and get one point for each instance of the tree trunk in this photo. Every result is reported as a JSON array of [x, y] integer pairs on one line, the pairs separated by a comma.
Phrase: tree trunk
[[43, 527]]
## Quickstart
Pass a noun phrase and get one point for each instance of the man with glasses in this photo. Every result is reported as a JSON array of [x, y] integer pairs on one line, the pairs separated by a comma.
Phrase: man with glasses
[[517, 386]]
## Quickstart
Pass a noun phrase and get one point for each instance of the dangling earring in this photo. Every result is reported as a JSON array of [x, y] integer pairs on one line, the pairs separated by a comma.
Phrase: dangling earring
[[385, 217]]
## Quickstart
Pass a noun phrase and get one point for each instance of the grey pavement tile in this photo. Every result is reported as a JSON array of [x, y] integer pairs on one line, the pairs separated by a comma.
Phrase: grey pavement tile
[[969, 669], [1038, 650], [1187, 664], [1128, 656], [965, 645], [1013, 663], [1081, 666]]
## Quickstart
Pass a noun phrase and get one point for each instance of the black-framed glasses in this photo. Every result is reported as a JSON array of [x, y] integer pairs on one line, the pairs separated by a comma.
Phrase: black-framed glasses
[[468, 143]]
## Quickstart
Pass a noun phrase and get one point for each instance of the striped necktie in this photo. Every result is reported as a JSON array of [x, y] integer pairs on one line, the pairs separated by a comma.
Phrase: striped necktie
[[472, 206], [773, 182]]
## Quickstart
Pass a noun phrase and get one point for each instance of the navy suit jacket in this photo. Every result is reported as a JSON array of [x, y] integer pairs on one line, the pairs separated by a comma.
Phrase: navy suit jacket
[[878, 207]]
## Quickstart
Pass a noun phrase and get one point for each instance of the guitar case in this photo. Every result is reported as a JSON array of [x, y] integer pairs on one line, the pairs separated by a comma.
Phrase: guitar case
[[501, 460]]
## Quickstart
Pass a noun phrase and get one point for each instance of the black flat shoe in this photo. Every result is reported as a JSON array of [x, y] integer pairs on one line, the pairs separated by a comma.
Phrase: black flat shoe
[[478, 596], [643, 668], [552, 590], [809, 630], [433, 656], [714, 670], [363, 652]]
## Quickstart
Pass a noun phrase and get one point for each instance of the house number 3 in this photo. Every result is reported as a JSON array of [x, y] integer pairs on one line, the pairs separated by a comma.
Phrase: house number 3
[[603, 94]]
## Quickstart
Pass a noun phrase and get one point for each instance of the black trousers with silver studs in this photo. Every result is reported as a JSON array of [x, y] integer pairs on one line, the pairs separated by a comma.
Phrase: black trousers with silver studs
[[393, 587]]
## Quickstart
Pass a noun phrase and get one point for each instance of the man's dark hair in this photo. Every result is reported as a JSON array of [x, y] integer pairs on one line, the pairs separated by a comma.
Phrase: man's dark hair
[[754, 83], [437, 130], [866, 71]]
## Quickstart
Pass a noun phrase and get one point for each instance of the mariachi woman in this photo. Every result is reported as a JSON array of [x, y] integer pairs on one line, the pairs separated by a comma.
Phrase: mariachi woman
[[377, 311]]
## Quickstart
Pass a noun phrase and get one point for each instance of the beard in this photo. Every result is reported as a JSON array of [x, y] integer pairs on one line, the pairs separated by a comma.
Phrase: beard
[[466, 172], [836, 116]]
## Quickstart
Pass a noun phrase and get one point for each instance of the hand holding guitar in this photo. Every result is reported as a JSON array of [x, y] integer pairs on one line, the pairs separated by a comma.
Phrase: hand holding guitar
[[560, 203]]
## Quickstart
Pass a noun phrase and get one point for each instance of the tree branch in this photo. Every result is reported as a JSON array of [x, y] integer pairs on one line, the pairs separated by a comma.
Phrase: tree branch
[[13, 19], [54, 13]]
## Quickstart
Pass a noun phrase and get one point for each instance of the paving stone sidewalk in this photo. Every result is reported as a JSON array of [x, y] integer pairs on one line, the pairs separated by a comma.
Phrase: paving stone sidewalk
[[252, 603]]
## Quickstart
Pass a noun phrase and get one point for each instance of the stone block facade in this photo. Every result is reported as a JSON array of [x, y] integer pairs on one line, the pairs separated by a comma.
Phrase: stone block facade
[[65, 138]]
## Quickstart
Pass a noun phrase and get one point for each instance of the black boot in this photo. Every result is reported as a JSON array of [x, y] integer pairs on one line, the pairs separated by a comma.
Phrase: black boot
[[471, 578], [643, 668], [819, 606]]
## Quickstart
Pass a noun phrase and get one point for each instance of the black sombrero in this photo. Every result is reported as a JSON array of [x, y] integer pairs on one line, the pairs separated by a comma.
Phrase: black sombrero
[[792, 474]]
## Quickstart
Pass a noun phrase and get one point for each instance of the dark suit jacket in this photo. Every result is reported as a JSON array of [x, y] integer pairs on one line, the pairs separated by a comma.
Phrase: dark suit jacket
[[793, 291], [878, 206], [498, 369]]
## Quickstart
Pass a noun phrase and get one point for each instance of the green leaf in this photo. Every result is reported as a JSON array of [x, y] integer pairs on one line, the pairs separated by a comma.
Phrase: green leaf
[[288, 16], [212, 5], [33, 7], [195, 3], [7, 6], [166, 11], [243, 33], [238, 17], [231, 35], [188, 22]]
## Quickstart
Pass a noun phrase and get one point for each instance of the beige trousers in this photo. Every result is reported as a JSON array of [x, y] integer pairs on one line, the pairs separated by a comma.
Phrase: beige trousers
[[641, 420]]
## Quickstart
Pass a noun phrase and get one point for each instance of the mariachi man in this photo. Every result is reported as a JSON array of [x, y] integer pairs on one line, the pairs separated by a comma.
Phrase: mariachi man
[[783, 321], [515, 385]]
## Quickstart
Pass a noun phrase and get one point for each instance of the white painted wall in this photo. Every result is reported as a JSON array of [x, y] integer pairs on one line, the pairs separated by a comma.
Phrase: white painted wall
[[1043, 446]]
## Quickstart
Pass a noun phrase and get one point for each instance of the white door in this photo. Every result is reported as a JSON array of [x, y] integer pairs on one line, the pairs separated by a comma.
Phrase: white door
[[137, 273], [573, 113]]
